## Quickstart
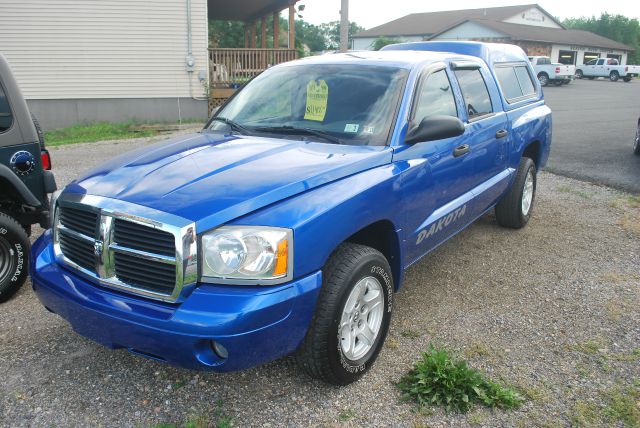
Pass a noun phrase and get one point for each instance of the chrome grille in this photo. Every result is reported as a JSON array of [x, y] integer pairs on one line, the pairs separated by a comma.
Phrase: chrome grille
[[143, 238], [78, 251], [101, 238]]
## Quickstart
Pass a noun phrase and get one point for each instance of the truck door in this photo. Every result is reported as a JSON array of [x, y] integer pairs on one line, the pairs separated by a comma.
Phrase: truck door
[[437, 185], [487, 134], [599, 69]]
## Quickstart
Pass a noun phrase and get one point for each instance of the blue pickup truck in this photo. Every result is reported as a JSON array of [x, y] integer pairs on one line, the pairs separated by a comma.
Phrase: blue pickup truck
[[285, 225]]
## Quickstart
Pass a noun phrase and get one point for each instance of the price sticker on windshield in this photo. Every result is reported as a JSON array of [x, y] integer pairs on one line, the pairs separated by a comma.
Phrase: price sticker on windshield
[[317, 98]]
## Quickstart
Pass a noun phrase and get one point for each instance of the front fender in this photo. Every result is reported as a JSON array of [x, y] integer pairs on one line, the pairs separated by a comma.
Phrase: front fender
[[23, 191], [324, 217]]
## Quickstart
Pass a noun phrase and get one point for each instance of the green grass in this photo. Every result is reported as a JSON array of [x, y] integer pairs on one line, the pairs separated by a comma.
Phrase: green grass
[[440, 380], [101, 131]]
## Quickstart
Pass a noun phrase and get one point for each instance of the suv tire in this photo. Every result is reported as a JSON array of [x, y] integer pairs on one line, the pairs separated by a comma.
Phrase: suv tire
[[14, 253], [614, 76], [514, 209], [352, 316]]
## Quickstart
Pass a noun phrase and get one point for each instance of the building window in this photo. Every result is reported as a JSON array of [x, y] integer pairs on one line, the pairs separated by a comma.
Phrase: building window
[[615, 56], [567, 57], [588, 56]]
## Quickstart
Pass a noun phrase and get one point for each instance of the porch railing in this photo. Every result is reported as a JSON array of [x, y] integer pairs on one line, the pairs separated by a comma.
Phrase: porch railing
[[229, 68]]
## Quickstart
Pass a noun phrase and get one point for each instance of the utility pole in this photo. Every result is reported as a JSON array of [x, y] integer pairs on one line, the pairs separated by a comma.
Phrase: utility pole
[[344, 26]]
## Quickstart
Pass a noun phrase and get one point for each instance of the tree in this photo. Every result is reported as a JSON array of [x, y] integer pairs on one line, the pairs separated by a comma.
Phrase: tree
[[616, 27], [384, 41], [331, 31], [226, 34]]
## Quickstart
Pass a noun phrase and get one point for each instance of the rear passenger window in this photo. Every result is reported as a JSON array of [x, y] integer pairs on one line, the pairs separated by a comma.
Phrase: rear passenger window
[[475, 93], [435, 97], [525, 80], [515, 81], [6, 117]]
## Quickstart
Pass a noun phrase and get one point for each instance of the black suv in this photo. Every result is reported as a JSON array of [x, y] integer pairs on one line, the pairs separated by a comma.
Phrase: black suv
[[25, 182]]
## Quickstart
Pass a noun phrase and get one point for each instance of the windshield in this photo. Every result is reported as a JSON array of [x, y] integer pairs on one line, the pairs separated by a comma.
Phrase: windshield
[[345, 104]]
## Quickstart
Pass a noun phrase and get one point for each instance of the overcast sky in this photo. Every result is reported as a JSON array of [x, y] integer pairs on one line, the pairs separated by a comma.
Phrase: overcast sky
[[370, 13]]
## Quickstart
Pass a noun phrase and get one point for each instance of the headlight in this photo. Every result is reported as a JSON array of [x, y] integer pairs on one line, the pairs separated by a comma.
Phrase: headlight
[[253, 253]]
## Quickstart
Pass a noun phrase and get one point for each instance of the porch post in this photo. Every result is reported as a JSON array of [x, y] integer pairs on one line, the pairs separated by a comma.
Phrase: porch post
[[263, 28], [292, 26], [276, 30], [246, 35], [253, 34]]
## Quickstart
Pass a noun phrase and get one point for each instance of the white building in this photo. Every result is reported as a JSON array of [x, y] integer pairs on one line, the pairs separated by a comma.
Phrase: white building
[[117, 60], [528, 26]]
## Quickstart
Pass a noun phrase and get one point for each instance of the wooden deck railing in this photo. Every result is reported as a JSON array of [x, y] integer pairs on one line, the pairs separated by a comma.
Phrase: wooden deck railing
[[229, 67]]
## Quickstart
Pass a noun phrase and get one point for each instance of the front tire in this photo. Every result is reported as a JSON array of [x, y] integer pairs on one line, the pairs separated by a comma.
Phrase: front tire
[[14, 253], [352, 316], [514, 209], [614, 76]]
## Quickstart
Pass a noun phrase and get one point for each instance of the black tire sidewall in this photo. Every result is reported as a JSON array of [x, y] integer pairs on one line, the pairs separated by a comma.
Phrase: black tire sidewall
[[543, 79], [346, 370], [528, 166], [614, 76], [14, 235], [636, 143]]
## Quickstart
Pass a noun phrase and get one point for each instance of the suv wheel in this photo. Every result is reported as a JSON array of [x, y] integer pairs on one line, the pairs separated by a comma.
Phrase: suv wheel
[[614, 76], [636, 143], [14, 252], [514, 209], [352, 316], [579, 74]]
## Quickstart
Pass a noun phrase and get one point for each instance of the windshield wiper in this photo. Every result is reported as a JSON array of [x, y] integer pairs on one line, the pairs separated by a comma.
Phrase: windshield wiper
[[233, 125], [309, 131]]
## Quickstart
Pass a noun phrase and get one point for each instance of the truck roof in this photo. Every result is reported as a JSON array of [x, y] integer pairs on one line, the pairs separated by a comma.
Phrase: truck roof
[[490, 53], [401, 59]]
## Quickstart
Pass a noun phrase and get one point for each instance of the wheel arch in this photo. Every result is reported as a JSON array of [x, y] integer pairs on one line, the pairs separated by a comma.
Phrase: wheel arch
[[382, 236], [9, 180], [533, 151]]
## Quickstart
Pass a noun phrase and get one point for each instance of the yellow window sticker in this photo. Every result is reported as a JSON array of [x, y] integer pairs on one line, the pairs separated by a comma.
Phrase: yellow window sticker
[[317, 97]]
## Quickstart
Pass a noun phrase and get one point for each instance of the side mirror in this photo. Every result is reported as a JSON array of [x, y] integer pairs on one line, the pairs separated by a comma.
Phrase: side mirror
[[435, 128]]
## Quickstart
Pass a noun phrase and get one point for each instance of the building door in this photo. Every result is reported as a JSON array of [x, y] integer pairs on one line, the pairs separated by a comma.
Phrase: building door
[[567, 57]]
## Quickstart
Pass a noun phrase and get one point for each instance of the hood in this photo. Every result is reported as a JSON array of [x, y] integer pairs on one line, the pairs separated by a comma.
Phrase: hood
[[213, 178]]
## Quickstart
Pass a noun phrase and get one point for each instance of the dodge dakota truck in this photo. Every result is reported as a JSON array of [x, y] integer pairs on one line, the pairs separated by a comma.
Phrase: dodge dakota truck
[[609, 68], [285, 226], [548, 72]]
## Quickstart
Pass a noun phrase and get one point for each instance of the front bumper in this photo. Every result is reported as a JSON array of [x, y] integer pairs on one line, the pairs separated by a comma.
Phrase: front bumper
[[254, 324]]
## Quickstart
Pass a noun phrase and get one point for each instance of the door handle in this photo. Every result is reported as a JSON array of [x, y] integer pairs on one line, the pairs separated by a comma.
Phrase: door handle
[[502, 133], [461, 150]]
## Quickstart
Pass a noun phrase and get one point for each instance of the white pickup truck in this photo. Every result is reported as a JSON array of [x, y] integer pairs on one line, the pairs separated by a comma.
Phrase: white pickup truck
[[549, 72], [607, 67]]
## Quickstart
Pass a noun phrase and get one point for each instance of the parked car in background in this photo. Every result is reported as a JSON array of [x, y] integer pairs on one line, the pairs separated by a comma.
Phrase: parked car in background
[[548, 72], [607, 67], [286, 225], [25, 182], [636, 142]]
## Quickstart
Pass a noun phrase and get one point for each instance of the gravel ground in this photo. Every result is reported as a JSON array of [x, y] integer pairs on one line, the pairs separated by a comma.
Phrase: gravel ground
[[552, 310]]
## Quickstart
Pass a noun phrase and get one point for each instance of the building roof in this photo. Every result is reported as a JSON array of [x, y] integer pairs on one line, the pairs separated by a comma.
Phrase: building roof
[[244, 10], [425, 24], [532, 33]]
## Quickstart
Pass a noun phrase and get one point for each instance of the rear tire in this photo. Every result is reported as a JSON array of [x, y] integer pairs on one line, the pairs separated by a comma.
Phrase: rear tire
[[614, 76], [38, 130], [14, 254], [579, 74], [543, 78], [636, 143], [352, 316], [514, 209]]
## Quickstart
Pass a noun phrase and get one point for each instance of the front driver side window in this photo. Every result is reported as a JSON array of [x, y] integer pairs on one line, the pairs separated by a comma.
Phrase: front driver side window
[[435, 97]]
